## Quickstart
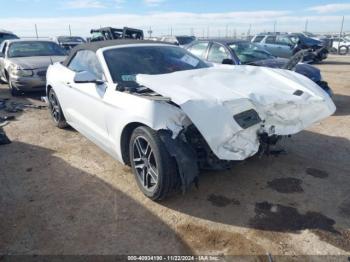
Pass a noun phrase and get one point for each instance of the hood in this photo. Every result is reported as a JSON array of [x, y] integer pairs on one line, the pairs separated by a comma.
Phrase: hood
[[311, 42], [309, 71], [285, 101], [272, 63], [35, 62]]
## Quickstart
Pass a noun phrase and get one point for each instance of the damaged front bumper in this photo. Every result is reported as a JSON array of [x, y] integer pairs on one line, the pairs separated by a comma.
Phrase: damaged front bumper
[[234, 114]]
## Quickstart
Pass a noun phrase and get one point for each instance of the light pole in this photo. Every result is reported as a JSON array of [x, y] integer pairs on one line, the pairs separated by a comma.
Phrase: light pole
[[36, 32], [340, 33]]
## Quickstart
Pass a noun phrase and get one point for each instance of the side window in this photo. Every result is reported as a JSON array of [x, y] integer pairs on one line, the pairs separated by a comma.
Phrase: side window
[[199, 49], [283, 40], [86, 61], [258, 39], [217, 53], [294, 39], [270, 40]]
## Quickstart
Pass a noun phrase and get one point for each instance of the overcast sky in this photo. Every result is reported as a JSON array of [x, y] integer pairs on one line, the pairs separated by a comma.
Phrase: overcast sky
[[219, 17]]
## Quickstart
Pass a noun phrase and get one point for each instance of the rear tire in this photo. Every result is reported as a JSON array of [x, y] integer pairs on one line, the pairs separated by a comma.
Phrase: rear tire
[[56, 110], [154, 169]]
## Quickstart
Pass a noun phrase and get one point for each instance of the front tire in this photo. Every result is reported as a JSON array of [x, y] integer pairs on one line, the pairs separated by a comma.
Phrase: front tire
[[56, 110], [154, 169], [13, 90]]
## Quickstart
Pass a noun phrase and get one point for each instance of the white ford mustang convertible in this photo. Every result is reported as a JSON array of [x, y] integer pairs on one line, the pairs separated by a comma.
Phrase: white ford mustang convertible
[[169, 114]]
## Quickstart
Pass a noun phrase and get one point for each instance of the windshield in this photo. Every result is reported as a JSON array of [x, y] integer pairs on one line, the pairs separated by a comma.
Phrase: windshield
[[249, 52], [125, 63], [184, 40], [65, 39], [34, 48]]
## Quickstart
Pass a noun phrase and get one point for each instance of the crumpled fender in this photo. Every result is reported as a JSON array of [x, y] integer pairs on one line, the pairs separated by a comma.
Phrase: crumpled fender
[[185, 157], [286, 102]]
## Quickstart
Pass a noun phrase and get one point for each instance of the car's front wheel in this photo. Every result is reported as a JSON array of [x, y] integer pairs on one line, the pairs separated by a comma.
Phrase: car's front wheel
[[13, 90], [56, 110], [154, 169]]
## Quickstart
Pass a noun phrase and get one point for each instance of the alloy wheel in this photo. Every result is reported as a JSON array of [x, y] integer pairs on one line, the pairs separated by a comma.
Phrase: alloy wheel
[[54, 108], [145, 163]]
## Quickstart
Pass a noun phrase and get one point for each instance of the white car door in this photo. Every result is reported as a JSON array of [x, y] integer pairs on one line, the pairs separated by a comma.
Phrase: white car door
[[84, 102]]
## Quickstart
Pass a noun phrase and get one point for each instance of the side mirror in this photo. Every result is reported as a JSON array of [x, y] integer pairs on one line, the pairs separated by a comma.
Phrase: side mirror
[[227, 61], [86, 77]]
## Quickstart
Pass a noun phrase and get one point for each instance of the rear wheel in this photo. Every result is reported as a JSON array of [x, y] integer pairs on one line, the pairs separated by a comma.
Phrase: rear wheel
[[56, 110], [154, 169]]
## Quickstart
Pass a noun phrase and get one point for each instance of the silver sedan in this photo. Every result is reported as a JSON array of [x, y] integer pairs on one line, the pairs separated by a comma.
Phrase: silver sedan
[[23, 63]]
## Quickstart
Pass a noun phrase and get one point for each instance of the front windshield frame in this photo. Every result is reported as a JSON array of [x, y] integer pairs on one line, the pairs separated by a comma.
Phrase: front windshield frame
[[127, 79], [57, 51], [257, 53]]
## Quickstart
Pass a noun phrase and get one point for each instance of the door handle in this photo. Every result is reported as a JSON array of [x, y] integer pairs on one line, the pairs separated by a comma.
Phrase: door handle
[[69, 84]]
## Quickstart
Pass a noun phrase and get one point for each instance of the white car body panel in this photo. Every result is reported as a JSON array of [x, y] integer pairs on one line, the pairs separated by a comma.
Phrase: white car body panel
[[101, 113], [343, 42], [210, 97]]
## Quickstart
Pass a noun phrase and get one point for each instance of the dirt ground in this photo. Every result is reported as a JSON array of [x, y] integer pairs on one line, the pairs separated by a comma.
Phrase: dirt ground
[[61, 194]]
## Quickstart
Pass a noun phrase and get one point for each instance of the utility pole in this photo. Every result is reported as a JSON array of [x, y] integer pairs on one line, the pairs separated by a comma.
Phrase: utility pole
[[150, 32], [208, 32], [171, 31], [226, 34], [70, 31], [340, 33], [306, 25], [36, 32], [248, 33], [274, 27]]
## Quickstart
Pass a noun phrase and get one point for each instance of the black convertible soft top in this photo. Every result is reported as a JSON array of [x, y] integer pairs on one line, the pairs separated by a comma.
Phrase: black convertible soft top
[[94, 46]]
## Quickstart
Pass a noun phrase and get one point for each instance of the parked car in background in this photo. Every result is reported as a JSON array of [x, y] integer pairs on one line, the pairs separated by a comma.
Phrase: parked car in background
[[246, 53], [341, 44], [168, 114], [326, 41], [110, 33], [6, 35], [178, 40], [68, 42], [286, 45], [23, 63]]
